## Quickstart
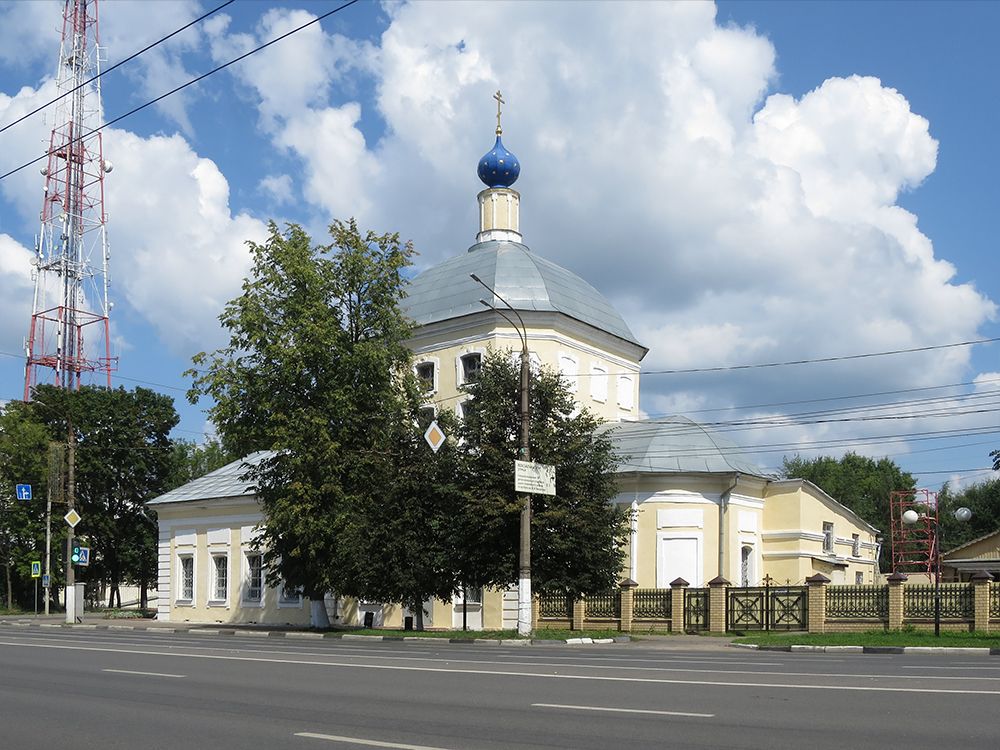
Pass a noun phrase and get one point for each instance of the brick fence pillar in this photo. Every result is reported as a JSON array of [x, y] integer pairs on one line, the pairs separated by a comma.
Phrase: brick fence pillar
[[717, 588], [896, 581], [677, 586], [579, 613], [981, 590], [625, 605], [817, 602]]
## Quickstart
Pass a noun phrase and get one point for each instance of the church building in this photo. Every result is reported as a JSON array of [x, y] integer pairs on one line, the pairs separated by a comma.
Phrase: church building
[[699, 508]]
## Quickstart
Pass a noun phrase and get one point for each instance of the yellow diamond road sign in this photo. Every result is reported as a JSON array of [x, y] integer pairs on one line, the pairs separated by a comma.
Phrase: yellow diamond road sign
[[72, 518], [435, 436]]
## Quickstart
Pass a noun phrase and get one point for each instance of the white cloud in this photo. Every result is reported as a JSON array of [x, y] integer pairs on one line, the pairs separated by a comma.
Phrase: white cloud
[[15, 290], [277, 187]]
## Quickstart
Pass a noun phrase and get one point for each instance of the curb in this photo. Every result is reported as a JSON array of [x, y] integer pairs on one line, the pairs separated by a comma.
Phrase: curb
[[803, 648], [306, 634]]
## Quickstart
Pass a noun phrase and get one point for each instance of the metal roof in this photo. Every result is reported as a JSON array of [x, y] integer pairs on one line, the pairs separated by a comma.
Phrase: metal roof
[[525, 280], [224, 482], [675, 445]]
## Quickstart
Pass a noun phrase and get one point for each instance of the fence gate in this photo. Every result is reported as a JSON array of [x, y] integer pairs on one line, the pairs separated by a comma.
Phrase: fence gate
[[767, 608], [695, 609]]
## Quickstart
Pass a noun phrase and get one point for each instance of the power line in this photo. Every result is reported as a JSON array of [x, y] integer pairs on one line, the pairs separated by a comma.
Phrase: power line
[[185, 85], [131, 57], [841, 358]]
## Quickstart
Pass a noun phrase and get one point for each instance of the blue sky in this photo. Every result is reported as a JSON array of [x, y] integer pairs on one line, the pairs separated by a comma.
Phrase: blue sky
[[748, 182]]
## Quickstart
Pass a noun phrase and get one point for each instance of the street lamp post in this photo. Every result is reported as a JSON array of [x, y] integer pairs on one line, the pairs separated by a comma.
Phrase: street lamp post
[[524, 556], [911, 517]]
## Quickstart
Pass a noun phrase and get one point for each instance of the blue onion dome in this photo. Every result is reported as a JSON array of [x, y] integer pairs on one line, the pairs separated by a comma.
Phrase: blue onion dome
[[499, 168]]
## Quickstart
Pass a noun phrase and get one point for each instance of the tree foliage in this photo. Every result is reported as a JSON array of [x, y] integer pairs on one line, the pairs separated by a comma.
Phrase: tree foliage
[[983, 499], [312, 372], [578, 535], [191, 460], [862, 484], [23, 452], [123, 458]]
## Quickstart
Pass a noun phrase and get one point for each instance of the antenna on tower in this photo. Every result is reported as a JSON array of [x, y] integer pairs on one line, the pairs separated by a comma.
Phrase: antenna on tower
[[70, 308]]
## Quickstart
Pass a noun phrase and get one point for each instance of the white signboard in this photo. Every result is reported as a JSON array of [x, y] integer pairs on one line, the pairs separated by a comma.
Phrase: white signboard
[[435, 436], [535, 479]]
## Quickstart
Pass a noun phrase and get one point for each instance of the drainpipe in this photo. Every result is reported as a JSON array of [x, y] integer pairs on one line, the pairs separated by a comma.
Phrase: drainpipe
[[723, 504]]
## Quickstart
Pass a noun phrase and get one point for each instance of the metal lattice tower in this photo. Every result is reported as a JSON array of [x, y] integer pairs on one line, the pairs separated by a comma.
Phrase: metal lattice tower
[[69, 320], [914, 548]]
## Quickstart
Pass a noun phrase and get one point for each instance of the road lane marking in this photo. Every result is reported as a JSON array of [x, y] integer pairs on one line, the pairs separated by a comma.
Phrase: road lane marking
[[623, 710], [147, 674], [534, 675], [360, 741]]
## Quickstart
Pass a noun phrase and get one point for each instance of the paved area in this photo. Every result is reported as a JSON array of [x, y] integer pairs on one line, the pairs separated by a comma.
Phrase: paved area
[[127, 689]]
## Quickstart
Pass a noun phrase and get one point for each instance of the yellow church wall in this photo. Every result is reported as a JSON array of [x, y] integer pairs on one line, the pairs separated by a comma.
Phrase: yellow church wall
[[616, 399]]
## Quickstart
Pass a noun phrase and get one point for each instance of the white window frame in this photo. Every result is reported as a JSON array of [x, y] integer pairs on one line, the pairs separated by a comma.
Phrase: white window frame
[[433, 362], [626, 393], [855, 545], [288, 602], [459, 367], [215, 600], [828, 536], [180, 598], [569, 371], [599, 383], [245, 600], [859, 578]]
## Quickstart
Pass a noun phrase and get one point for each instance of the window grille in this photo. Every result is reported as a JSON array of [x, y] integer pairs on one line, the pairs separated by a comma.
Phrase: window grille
[[255, 578], [472, 365], [827, 536], [187, 578], [221, 563]]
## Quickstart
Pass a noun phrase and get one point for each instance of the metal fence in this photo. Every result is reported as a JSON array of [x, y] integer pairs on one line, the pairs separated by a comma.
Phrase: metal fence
[[651, 604], [857, 602], [555, 606], [604, 606], [696, 609], [957, 601], [767, 608], [995, 600]]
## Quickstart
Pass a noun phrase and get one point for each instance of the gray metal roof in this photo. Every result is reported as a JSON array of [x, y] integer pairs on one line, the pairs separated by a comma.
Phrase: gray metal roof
[[525, 280], [675, 445], [224, 482]]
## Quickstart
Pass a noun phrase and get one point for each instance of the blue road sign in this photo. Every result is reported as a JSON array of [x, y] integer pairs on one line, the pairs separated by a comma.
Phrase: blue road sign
[[23, 491], [45, 581], [84, 556], [36, 568]]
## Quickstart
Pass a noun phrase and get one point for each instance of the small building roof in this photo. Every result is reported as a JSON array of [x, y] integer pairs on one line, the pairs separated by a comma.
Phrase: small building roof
[[224, 482], [527, 281], [676, 445]]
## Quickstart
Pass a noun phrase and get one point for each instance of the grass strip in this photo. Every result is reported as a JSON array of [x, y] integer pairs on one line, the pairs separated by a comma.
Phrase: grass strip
[[947, 639]]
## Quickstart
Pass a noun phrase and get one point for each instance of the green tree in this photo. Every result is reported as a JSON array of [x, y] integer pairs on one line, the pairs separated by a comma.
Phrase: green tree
[[190, 460], [123, 458], [399, 544], [862, 484], [983, 499], [312, 372], [578, 535], [23, 460]]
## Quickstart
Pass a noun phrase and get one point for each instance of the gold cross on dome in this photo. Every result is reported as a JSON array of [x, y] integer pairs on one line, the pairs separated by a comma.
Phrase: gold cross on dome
[[499, 97]]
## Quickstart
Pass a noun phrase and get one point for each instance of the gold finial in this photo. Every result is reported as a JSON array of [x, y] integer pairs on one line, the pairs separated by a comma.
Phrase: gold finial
[[499, 97]]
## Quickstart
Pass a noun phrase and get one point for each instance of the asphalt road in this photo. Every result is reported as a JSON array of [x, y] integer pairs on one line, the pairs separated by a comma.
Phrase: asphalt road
[[142, 690]]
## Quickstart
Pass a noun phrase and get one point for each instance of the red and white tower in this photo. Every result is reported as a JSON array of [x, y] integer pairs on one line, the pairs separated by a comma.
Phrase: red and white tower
[[70, 327]]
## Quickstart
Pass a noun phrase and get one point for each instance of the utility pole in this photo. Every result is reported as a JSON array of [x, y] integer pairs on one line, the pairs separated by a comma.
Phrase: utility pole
[[70, 502], [524, 552]]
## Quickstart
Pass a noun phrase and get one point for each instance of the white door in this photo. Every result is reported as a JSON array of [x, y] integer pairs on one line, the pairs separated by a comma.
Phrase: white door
[[678, 558]]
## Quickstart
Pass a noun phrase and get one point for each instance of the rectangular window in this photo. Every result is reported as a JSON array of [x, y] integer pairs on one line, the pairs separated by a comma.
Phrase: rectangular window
[[859, 578], [187, 578], [255, 578], [827, 536], [626, 398], [473, 594], [289, 594], [568, 370], [599, 383], [855, 545], [472, 364], [426, 415], [425, 374], [220, 583]]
